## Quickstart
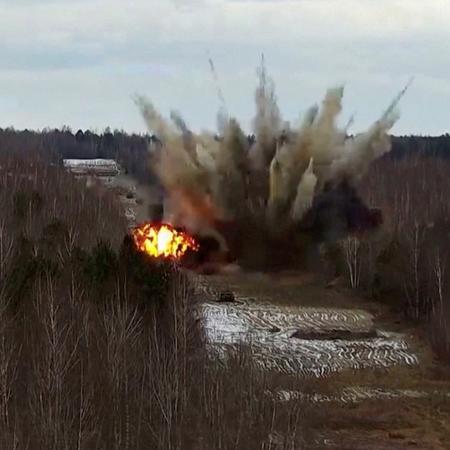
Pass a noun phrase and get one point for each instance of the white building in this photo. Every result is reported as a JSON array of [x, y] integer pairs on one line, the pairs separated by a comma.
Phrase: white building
[[97, 167]]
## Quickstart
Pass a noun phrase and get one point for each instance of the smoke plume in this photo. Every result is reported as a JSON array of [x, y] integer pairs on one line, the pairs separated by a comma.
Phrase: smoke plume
[[289, 179]]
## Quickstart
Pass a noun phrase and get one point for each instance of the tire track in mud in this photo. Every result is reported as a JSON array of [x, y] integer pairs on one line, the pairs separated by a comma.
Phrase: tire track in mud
[[268, 330]]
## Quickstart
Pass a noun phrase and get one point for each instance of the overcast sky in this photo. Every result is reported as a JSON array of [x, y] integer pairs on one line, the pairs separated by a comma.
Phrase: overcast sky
[[79, 62]]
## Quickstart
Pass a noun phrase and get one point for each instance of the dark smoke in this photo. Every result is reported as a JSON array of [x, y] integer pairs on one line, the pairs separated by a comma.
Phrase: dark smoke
[[266, 200]]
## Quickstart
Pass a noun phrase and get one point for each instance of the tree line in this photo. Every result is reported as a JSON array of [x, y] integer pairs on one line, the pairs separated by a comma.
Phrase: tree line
[[130, 150]]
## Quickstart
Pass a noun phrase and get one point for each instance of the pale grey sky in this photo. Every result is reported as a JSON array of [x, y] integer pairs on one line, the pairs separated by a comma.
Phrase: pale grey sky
[[79, 62]]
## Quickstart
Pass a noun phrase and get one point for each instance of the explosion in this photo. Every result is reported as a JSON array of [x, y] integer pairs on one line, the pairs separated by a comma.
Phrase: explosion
[[268, 195], [162, 241]]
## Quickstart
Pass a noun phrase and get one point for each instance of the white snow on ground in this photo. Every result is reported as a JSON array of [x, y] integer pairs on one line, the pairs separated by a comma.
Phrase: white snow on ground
[[267, 329], [351, 394]]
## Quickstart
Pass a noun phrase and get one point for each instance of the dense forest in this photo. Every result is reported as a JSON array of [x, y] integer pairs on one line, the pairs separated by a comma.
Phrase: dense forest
[[100, 348]]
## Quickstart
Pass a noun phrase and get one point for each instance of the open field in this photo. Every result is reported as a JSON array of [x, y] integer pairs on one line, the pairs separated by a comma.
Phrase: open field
[[371, 379], [311, 341]]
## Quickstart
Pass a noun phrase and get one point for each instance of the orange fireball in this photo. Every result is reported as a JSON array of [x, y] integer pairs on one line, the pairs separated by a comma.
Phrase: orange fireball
[[162, 240]]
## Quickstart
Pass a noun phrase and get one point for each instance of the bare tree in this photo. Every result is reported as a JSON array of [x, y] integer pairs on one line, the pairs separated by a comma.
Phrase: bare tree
[[352, 252]]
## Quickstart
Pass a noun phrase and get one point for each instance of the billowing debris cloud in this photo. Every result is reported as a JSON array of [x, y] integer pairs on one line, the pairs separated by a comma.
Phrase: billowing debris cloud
[[266, 192]]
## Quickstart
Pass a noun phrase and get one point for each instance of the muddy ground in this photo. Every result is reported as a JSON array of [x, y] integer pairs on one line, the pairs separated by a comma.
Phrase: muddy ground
[[370, 378]]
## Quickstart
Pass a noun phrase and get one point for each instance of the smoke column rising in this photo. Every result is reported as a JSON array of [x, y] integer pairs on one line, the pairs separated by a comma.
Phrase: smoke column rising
[[271, 184]]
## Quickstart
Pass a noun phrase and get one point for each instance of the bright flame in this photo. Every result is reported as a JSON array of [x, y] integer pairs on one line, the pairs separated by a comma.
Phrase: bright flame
[[162, 240]]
